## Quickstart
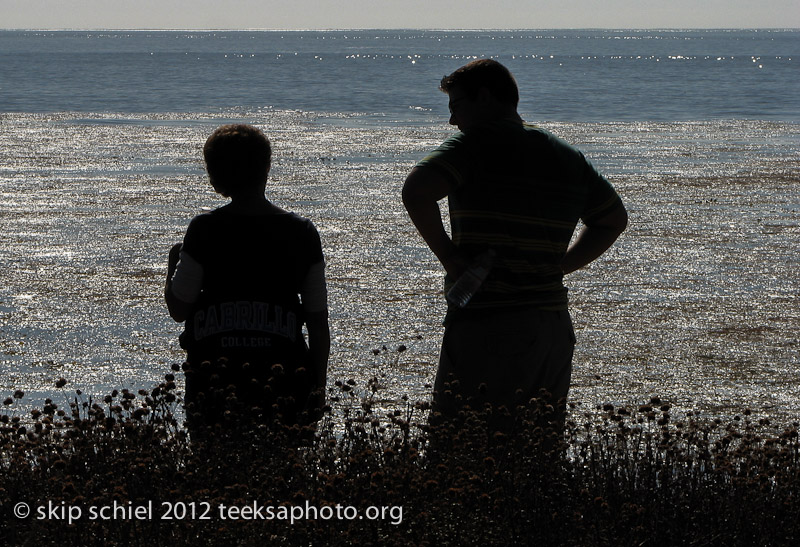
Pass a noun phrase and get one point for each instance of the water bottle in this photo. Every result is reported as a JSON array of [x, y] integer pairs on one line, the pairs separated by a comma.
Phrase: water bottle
[[471, 280]]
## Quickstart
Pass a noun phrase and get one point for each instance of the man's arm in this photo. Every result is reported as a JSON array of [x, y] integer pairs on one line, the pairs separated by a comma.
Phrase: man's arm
[[595, 238], [422, 191]]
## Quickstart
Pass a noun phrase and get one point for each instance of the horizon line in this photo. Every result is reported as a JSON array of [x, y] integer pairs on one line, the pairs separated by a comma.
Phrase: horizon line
[[364, 29]]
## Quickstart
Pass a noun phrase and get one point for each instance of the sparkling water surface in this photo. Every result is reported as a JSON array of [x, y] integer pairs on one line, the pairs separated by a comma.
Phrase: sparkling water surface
[[101, 171], [696, 303]]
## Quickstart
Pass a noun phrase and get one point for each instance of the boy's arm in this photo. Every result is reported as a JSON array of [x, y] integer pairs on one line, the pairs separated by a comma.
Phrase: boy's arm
[[178, 309], [319, 345]]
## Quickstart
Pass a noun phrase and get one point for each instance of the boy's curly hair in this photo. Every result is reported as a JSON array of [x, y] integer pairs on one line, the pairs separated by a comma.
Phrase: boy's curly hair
[[237, 156]]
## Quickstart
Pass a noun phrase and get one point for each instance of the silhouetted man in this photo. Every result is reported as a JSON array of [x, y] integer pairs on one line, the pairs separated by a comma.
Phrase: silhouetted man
[[519, 192]]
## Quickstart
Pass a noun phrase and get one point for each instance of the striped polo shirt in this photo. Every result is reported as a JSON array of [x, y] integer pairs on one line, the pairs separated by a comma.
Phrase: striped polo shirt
[[519, 191]]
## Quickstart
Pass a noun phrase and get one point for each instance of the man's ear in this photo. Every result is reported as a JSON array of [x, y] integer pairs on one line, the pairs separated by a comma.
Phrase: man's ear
[[485, 96]]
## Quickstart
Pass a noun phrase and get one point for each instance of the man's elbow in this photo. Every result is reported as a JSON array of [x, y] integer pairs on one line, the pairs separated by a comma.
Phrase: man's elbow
[[615, 221], [411, 193], [424, 186], [622, 220]]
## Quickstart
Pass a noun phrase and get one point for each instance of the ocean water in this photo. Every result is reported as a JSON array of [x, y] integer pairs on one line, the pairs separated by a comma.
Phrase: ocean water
[[565, 75], [100, 172]]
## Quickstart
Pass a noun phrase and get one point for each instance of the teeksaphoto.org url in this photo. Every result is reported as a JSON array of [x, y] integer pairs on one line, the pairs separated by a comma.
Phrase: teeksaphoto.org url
[[203, 510]]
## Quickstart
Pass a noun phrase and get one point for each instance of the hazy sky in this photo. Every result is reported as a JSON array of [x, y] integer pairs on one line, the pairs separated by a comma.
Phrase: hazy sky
[[349, 14]]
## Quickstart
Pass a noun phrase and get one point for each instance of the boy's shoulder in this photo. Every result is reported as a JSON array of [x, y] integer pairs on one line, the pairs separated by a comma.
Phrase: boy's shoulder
[[221, 216], [220, 221]]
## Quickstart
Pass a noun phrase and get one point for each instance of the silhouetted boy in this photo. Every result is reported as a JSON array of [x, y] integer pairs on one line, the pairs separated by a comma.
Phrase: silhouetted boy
[[247, 278]]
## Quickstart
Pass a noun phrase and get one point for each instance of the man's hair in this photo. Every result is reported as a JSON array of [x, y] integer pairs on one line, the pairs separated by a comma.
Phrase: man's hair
[[237, 156], [483, 73]]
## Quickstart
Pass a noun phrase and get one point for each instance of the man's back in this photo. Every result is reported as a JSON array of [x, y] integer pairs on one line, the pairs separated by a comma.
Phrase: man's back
[[520, 192]]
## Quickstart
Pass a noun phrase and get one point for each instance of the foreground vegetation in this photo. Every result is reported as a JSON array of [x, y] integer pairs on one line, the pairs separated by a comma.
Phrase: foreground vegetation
[[122, 471]]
